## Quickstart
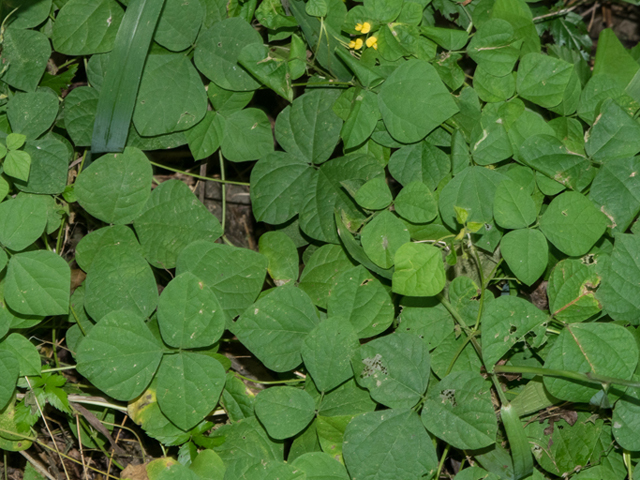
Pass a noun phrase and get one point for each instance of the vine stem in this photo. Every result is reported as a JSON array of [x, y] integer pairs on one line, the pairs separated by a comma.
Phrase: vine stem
[[263, 382], [223, 190], [581, 377], [442, 459], [195, 175]]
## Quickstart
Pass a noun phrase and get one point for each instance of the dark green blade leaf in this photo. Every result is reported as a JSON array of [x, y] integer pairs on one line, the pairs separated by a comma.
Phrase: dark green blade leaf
[[600, 348], [120, 355], [526, 252], [394, 368], [9, 371], [459, 411], [284, 411], [120, 86], [571, 291], [388, 445], [327, 352], [189, 313], [189, 386], [572, 223], [274, 328]]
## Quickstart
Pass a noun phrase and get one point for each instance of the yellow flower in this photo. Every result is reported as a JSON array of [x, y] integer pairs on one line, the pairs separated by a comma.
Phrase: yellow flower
[[356, 44], [372, 42], [363, 27]]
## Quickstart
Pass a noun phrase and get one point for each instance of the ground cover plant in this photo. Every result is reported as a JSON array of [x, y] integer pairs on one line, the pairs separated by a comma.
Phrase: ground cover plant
[[447, 283]]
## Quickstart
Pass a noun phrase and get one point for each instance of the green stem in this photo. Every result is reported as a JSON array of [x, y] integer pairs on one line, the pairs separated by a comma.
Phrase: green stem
[[581, 377], [58, 369], [442, 459], [195, 175], [223, 189]]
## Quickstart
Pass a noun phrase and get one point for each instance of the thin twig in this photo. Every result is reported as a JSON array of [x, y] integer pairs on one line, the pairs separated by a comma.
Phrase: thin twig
[[37, 465], [46, 424], [84, 465]]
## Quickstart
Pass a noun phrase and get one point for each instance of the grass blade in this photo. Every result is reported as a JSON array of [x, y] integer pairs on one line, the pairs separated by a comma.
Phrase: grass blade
[[120, 87]]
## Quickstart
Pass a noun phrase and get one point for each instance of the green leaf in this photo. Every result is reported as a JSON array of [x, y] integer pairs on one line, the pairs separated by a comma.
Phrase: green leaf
[[388, 445], [571, 444], [189, 386], [447, 38], [543, 79], [526, 252], [382, 237], [9, 370], [320, 466], [326, 36], [615, 190], [273, 72], [363, 300], [22, 221], [494, 47], [120, 355], [60, 81], [430, 323], [235, 275], [548, 155], [247, 135], [218, 49], [506, 321], [282, 255], [456, 354], [571, 291], [327, 352], [189, 314], [362, 120], [123, 75], [420, 162], [599, 88], [614, 134], [29, 14], [330, 432], [325, 194], [85, 27], [208, 465], [513, 206], [489, 140], [236, 400], [492, 88], [25, 53], [416, 203], [572, 223], [24, 352], [620, 291], [279, 182], [172, 219], [626, 420], [92, 243], [394, 368], [80, 108], [309, 128], [284, 411], [38, 283], [32, 114], [519, 15], [179, 24], [322, 271], [274, 327], [145, 412], [413, 101], [205, 137], [612, 58], [17, 164], [459, 411], [225, 101], [518, 442], [474, 188], [120, 279], [599, 348], [50, 156], [173, 78], [116, 187], [419, 270]]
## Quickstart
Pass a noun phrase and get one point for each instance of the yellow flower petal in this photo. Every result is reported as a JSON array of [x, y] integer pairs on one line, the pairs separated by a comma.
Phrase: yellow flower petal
[[366, 27], [358, 27], [359, 43], [352, 44], [372, 42]]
